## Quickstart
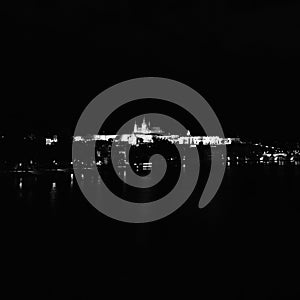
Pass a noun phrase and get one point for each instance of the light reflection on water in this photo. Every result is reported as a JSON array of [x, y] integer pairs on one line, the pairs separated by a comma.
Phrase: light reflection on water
[[53, 192], [57, 187], [238, 219]]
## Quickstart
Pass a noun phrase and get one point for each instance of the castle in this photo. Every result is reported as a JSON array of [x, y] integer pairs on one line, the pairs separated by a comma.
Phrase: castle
[[146, 129]]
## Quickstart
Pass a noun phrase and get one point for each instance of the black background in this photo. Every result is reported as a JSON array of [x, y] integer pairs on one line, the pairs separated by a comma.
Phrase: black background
[[241, 56]]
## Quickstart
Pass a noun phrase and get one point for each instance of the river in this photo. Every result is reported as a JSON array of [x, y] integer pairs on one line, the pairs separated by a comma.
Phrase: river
[[244, 244]]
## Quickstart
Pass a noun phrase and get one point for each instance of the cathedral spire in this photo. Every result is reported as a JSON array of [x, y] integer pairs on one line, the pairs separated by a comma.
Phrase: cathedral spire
[[135, 127], [144, 126]]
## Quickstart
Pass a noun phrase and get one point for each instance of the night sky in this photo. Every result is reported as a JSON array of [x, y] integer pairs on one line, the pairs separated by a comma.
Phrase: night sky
[[242, 57]]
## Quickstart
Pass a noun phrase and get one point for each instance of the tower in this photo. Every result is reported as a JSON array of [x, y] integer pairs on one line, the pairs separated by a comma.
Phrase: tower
[[144, 126], [135, 127]]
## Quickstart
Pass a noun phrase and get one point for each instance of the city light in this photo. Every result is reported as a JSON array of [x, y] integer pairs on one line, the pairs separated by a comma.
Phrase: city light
[[144, 137], [146, 133]]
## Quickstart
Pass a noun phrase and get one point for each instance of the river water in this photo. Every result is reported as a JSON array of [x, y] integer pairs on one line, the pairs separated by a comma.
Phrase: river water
[[244, 244]]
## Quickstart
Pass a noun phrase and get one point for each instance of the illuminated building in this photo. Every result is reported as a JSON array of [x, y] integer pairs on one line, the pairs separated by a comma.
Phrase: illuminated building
[[144, 129], [146, 134]]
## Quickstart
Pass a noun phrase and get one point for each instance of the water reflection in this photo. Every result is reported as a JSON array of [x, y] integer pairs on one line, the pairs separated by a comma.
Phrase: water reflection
[[82, 179], [53, 192], [48, 186], [72, 180]]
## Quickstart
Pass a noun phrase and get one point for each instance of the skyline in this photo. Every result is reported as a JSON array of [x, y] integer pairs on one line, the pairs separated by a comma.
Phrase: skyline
[[147, 133], [21, 128], [54, 151]]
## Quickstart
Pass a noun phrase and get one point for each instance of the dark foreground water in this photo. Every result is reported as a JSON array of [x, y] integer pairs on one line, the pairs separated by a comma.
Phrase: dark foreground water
[[243, 245]]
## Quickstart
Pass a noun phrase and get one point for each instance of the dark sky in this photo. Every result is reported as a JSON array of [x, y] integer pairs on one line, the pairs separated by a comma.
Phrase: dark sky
[[242, 57]]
